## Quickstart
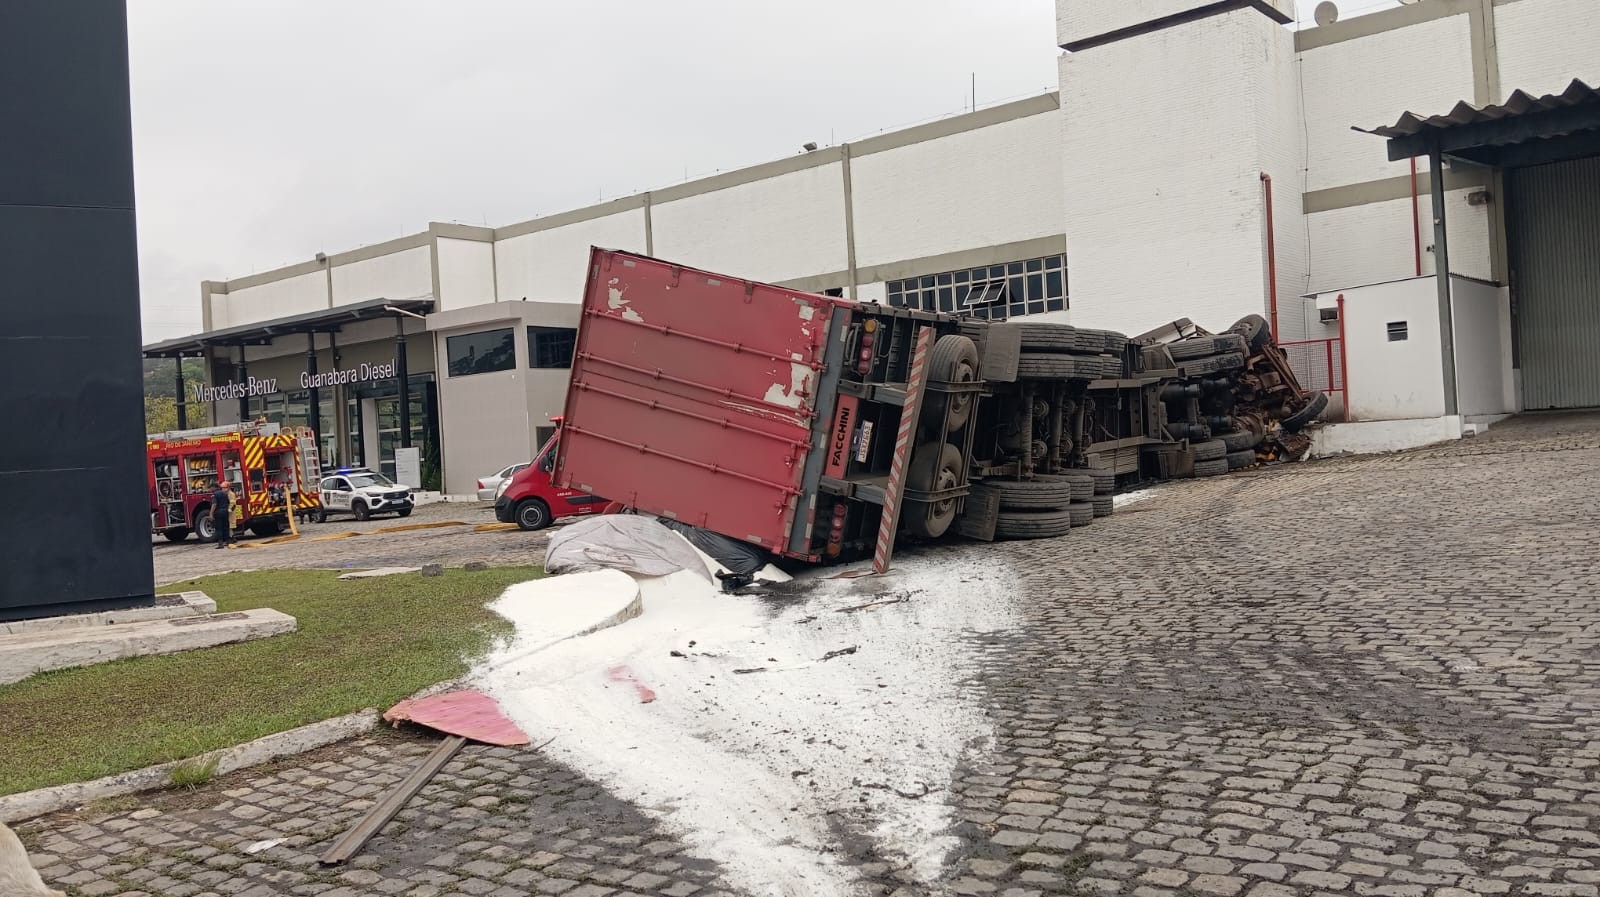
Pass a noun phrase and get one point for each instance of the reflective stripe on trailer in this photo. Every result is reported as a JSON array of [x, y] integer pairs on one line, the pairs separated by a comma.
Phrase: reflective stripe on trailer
[[916, 379]]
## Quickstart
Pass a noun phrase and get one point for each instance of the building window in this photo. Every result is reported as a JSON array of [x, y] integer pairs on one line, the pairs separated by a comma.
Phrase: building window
[[551, 347], [481, 353], [993, 292]]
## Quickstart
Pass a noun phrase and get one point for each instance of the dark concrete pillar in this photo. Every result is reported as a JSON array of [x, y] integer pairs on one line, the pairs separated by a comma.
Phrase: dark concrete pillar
[[314, 411], [244, 396], [405, 385], [183, 405]]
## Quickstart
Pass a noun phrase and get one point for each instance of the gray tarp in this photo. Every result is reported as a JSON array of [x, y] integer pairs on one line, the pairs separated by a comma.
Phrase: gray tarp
[[625, 542]]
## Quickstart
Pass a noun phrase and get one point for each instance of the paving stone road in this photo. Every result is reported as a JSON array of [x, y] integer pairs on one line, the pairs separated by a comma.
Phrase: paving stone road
[[1372, 676]]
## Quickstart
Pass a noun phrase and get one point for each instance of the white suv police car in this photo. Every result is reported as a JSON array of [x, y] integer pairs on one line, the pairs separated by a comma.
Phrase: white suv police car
[[363, 492]]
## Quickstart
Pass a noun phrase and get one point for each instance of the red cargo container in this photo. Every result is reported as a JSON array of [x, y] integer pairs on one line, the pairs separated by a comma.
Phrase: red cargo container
[[694, 396]]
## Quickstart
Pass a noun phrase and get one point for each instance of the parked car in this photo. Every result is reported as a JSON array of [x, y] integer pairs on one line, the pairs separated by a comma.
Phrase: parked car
[[363, 492], [489, 486], [529, 500]]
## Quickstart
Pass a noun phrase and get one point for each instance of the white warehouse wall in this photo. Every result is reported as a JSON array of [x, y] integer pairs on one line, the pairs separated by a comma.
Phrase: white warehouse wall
[[290, 296], [549, 264], [984, 187], [1544, 44], [777, 228], [398, 275], [1483, 367], [466, 273], [1393, 380]]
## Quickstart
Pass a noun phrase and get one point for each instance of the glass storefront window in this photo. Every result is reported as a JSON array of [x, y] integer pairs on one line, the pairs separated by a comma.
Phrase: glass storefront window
[[551, 347]]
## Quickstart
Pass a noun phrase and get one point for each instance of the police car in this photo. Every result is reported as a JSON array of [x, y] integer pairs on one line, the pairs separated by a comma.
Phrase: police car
[[363, 492]]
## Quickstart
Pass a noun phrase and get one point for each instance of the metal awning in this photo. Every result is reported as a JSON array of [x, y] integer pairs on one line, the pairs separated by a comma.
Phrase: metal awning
[[1524, 130], [263, 332]]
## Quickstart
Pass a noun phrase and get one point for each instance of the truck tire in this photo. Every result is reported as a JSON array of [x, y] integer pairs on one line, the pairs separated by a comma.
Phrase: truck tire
[[932, 471], [204, 527], [1299, 420], [1032, 524], [176, 534], [1104, 483], [1241, 440], [1111, 368], [1082, 486], [1115, 343], [1081, 512], [1049, 338], [1212, 364], [269, 527], [1103, 505], [1034, 366], [1241, 459], [1094, 342], [1255, 331], [955, 360], [1211, 468], [531, 514], [1030, 495], [1201, 346], [1208, 451]]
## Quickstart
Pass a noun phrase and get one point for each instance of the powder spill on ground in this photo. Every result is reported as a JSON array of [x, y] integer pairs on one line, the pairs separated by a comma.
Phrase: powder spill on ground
[[761, 769]]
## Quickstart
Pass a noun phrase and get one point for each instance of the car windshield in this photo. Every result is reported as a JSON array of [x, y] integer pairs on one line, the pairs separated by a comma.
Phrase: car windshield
[[363, 480]]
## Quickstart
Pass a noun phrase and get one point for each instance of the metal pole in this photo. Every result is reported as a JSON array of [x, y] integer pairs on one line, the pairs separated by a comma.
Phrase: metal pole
[[1441, 261], [1344, 361], [183, 411], [314, 411], [244, 396], [405, 387]]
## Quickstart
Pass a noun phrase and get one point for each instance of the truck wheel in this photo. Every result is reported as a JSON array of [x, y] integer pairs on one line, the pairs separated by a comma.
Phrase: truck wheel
[[204, 526], [1035, 366], [1082, 486], [532, 514], [1049, 337], [932, 471], [1208, 451], [1032, 524], [1211, 468], [1081, 512], [1238, 442], [360, 509], [1241, 459], [955, 360], [1201, 346], [1300, 419], [1104, 483], [176, 534], [1103, 505], [266, 527], [1254, 329], [1029, 495]]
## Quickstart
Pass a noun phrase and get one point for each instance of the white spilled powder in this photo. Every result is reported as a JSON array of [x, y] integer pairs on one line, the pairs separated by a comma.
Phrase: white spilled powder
[[1131, 498], [765, 772]]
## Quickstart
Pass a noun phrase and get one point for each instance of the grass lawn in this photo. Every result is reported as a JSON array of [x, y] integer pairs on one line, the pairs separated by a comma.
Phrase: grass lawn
[[361, 643]]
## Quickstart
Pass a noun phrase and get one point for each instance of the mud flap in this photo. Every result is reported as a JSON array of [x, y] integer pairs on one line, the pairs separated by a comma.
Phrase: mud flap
[[999, 347], [978, 518]]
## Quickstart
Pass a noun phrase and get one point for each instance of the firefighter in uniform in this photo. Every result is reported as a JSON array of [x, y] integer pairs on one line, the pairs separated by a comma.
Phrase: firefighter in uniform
[[222, 512]]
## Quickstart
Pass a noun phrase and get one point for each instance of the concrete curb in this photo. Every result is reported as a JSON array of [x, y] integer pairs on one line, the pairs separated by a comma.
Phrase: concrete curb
[[28, 804]]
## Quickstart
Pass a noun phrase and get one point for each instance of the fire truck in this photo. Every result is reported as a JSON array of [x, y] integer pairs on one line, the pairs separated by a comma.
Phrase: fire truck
[[274, 472]]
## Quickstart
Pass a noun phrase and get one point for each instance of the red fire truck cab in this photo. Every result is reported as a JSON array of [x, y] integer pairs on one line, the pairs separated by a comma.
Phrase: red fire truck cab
[[273, 471]]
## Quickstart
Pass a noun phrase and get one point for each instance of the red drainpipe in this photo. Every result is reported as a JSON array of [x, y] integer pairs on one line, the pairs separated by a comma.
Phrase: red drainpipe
[[1272, 258], [1416, 217]]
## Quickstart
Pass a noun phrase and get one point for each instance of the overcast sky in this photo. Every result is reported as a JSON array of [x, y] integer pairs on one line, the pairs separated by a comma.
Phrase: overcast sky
[[266, 131]]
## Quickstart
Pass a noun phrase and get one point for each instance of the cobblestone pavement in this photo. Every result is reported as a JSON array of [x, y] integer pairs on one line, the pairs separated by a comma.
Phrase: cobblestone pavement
[[1372, 676], [451, 545]]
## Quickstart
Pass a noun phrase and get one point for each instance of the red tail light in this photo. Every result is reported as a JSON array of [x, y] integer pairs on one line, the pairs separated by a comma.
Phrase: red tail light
[[481, 485]]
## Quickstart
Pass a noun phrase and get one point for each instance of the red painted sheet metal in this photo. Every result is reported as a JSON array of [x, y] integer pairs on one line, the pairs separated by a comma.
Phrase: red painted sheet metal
[[693, 394], [470, 714]]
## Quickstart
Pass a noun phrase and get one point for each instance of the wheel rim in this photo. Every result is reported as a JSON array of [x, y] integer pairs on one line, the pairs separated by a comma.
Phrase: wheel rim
[[531, 516], [206, 529]]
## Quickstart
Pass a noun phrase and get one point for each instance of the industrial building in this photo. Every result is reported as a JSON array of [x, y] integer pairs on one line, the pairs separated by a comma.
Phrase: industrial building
[[1200, 159]]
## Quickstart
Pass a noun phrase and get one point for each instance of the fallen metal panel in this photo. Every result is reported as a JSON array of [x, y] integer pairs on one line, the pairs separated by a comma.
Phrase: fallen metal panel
[[385, 810]]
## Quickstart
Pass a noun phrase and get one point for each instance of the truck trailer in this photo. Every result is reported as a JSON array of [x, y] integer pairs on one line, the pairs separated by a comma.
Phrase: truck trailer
[[822, 429]]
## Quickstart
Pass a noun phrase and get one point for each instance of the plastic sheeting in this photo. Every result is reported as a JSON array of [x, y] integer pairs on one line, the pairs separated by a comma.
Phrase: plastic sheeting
[[625, 542], [739, 558]]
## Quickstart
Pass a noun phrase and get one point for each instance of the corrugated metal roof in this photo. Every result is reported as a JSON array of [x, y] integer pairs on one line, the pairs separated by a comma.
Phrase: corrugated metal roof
[[1464, 113]]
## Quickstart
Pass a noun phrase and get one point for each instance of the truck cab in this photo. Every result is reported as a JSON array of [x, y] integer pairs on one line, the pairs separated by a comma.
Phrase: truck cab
[[531, 501]]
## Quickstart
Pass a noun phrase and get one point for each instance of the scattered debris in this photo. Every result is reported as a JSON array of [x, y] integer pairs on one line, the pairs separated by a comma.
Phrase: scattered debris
[[259, 846], [432, 569], [475, 566], [900, 598], [380, 571], [841, 652], [470, 714]]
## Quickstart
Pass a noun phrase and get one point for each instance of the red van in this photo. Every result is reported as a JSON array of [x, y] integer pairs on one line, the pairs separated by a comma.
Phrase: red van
[[530, 501]]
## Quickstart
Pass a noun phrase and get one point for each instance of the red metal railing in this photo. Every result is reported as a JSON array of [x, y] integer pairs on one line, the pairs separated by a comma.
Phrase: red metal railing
[[1319, 365]]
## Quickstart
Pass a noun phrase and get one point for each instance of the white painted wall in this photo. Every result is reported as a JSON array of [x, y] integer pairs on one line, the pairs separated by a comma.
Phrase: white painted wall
[[1369, 82], [873, 292], [290, 296], [986, 187], [780, 228], [549, 265], [1393, 380], [466, 273], [1544, 44], [1483, 366], [399, 275]]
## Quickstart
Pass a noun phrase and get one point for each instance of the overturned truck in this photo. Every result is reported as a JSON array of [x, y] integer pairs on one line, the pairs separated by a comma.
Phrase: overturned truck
[[821, 429]]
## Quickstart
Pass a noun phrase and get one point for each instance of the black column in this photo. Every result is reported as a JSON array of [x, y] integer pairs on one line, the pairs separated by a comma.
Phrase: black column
[[183, 407], [314, 412], [405, 385], [69, 349], [1441, 262], [244, 396]]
